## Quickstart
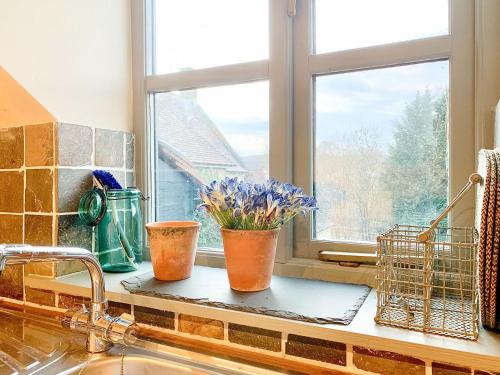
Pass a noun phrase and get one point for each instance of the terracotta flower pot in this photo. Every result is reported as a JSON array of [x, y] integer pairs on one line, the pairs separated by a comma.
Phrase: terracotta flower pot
[[173, 248], [249, 258]]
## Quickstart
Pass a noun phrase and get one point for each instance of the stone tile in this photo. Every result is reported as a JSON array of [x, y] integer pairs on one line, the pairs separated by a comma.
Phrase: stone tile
[[11, 191], [130, 179], [68, 267], [447, 369], [38, 230], [40, 269], [39, 147], [11, 148], [72, 183], [39, 190], [154, 317], [11, 282], [74, 145], [108, 148], [255, 337], [68, 301], [387, 363], [40, 296], [120, 177], [72, 232], [11, 229], [199, 326], [316, 349], [129, 150], [118, 308]]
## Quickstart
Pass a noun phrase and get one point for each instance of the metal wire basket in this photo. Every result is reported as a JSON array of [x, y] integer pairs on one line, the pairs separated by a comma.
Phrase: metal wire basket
[[427, 278]]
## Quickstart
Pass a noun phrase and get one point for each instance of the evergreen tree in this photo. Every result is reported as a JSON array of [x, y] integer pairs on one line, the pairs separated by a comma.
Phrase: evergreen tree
[[416, 174]]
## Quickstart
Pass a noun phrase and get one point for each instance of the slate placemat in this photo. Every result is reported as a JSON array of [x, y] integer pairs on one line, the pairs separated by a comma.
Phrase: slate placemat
[[290, 298]]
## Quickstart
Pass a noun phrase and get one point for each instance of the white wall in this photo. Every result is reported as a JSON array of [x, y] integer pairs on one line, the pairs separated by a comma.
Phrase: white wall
[[73, 56]]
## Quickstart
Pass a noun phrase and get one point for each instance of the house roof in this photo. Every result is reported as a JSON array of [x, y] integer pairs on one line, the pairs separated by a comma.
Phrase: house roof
[[191, 135]]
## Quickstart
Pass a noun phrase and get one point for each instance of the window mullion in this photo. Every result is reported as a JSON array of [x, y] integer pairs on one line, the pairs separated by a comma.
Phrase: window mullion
[[461, 115], [280, 108], [303, 130]]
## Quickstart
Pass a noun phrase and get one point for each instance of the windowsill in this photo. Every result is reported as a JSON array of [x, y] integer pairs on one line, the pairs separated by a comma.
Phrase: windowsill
[[362, 331], [304, 268]]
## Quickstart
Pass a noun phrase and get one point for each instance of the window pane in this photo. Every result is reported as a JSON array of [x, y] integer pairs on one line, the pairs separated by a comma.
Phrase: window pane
[[348, 24], [192, 34], [203, 135], [381, 154]]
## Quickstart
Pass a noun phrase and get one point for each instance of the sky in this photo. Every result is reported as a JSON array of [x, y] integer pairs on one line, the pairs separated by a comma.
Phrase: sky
[[199, 33]]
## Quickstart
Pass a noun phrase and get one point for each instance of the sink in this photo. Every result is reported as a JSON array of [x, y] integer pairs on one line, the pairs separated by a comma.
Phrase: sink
[[31, 344], [137, 365], [164, 360]]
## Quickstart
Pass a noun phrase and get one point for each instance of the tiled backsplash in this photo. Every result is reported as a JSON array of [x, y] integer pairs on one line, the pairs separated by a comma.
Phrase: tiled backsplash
[[44, 170], [320, 355]]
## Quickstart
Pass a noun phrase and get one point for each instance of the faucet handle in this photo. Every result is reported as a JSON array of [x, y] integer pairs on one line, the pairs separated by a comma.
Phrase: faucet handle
[[123, 330], [75, 318]]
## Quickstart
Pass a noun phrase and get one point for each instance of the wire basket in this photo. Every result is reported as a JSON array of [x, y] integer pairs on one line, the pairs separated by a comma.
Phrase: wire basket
[[428, 286], [427, 278]]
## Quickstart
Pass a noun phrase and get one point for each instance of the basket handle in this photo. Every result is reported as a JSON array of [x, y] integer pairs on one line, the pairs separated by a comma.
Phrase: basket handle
[[424, 236]]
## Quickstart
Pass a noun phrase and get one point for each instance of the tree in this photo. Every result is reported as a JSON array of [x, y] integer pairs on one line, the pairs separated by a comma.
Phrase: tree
[[416, 174], [348, 185]]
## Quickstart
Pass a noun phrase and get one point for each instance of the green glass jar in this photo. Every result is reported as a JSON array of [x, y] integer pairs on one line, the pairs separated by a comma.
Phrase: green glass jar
[[117, 216]]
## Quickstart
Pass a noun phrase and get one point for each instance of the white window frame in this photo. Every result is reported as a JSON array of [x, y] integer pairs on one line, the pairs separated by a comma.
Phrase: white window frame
[[289, 70], [457, 47], [275, 70]]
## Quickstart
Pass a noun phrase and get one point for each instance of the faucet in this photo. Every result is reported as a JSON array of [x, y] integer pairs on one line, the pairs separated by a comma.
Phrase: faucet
[[102, 330]]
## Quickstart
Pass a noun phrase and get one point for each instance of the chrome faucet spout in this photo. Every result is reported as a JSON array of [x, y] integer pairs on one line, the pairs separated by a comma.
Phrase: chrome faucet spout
[[99, 326], [20, 254]]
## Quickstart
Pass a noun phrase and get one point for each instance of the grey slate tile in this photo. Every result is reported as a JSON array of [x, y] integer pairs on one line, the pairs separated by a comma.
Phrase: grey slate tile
[[109, 148], [72, 232], [72, 183], [74, 145], [129, 150]]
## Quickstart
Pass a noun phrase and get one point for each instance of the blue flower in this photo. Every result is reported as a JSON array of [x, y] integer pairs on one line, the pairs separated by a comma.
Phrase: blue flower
[[236, 204]]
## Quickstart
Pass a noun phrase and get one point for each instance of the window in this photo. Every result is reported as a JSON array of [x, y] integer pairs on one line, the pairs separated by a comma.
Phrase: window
[[381, 150], [208, 84], [203, 135], [365, 104], [342, 25], [378, 114], [194, 34]]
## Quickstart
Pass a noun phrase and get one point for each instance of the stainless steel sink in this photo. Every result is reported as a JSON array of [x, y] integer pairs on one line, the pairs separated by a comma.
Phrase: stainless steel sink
[[158, 359], [35, 345]]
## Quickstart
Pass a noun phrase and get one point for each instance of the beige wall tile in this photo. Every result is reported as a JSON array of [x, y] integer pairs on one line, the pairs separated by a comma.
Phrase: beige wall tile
[[38, 229], [11, 191], [40, 269], [11, 229], [11, 282], [11, 148], [39, 190], [387, 363], [196, 325], [40, 296], [39, 140]]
